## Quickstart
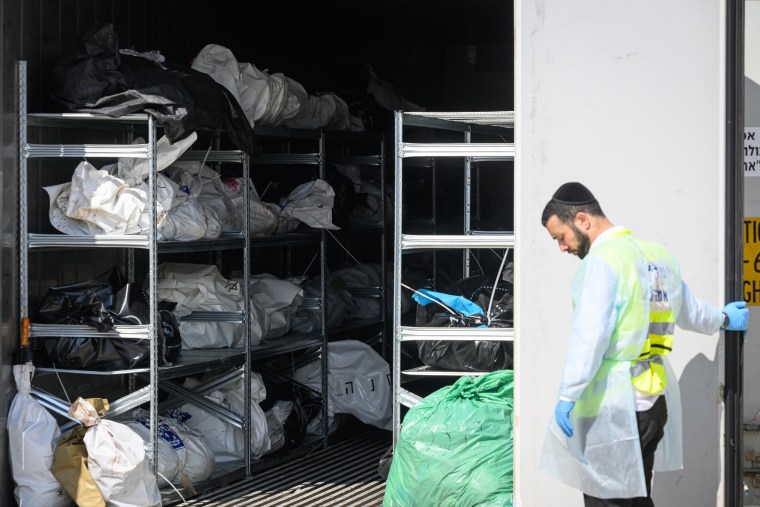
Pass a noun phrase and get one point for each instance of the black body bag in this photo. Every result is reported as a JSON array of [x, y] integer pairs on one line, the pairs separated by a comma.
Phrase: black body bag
[[479, 355], [103, 303]]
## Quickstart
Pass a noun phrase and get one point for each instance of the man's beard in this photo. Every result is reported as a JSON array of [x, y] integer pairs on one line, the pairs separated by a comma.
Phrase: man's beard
[[583, 242]]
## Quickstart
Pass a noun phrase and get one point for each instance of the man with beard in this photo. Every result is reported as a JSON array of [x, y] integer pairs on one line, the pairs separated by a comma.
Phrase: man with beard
[[617, 386]]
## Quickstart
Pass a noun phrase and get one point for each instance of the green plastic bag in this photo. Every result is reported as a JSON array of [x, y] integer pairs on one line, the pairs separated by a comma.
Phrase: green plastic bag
[[455, 447]]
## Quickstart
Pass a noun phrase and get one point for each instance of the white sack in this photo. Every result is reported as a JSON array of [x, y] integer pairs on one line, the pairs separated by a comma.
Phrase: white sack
[[310, 203], [200, 458], [183, 454], [32, 436], [186, 221], [276, 417], [225, 440], [116, 460], [205, 184], [172, 455], [201, 287], [114, 199], [263, 97], [325, 111], [358, 379], [277, 301], [263, 216]]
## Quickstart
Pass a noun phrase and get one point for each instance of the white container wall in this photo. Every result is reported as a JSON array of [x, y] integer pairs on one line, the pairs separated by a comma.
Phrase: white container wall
[[628, 98]]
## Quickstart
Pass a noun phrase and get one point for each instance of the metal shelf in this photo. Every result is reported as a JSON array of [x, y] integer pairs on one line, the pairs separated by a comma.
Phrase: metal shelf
[[86, 150], [482, 151], [136, 332], [64, 241], [231, 156], [427, 371], [498, 127], [287, 159], [502, 334], [445, 241]]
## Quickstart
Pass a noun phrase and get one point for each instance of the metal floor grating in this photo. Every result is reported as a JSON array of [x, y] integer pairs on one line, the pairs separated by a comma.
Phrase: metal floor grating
[[342, 475]]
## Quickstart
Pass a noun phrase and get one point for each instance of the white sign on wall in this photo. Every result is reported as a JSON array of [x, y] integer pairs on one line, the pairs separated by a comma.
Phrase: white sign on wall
[[751, 151]]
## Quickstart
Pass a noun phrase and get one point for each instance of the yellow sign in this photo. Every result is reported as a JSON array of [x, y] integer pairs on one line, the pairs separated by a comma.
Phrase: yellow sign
[[752, 261]]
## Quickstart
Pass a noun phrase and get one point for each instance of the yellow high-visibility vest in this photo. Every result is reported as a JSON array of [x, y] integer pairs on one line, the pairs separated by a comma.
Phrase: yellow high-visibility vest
[[648, 372]]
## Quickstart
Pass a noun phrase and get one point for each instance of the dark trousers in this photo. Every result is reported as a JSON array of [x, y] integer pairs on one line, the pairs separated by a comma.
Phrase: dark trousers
[[651, 424]]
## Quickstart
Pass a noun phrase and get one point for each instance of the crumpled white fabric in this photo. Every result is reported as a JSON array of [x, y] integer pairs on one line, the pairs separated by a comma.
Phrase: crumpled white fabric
[[225, 440], [201, 287], [116, 460], [273, 99], [263, 97], [114, 199], [32, 436]]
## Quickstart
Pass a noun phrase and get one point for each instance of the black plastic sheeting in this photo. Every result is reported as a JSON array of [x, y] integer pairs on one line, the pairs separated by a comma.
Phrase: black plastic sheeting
[[96, 78], [103, 303]]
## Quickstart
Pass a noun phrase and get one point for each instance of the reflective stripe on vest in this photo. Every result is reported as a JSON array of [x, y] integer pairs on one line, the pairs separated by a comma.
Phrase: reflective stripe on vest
[[647, 372]]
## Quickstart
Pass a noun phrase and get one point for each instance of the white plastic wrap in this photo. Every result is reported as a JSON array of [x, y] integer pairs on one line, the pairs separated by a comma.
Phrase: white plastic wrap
[[276, 301], [182, 453], [116, 460], [200, 458], [114, 199], [263, 216], [225, 440], [32, 436], [358, 380], [206, 186], [276, 417], [201, 287], [263, 97], [172, 455], [310, 203]]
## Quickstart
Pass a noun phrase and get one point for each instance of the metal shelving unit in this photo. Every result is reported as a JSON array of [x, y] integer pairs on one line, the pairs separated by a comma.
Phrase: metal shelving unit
[[190, 362], [365, 150], [491, 124], [143, 384]]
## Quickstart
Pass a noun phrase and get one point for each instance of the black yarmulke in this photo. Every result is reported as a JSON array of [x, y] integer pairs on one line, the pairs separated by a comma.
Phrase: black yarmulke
[[573, 193]]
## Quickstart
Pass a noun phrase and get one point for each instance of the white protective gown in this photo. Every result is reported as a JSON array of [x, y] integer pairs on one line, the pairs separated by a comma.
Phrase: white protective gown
[[610, 324]]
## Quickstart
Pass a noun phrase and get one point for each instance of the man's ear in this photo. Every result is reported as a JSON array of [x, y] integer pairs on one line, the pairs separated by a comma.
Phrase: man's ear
[[582, 221]]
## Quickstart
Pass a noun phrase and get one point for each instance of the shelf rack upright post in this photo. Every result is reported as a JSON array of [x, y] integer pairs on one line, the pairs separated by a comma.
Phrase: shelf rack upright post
[[466, 123]]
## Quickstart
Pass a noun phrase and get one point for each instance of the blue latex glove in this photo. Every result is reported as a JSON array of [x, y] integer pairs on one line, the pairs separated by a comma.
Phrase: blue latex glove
[[562, 415], [738, 316]]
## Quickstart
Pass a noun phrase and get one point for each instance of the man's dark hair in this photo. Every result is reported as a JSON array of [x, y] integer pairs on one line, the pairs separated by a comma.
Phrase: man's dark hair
[[566, 212]]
